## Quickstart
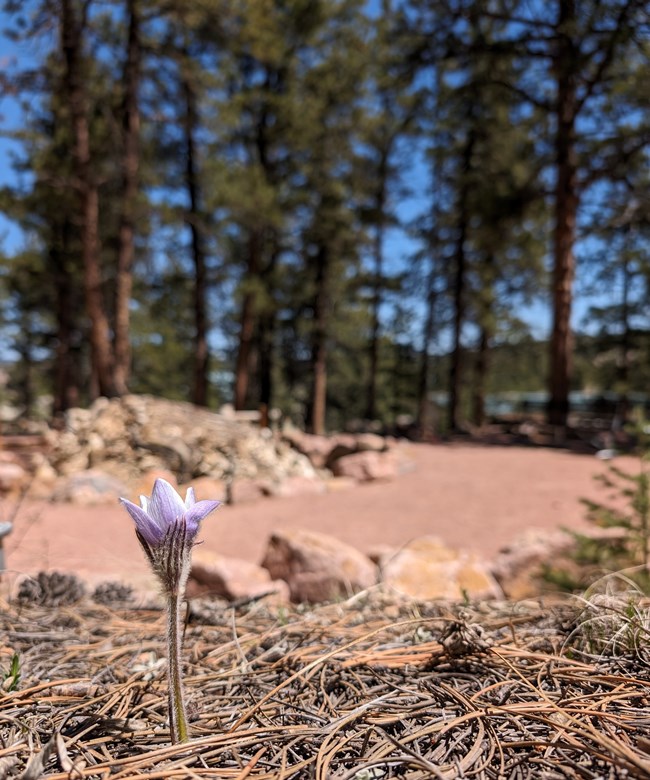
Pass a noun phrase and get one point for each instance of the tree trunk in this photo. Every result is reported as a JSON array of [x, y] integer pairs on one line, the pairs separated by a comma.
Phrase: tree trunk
[[485, 321], [248, 321], [566, 209], [266, 331], [623, 366], [460, 263], [66, 388], [378, 257], [318, 404], [427, 337], [100, 341], [480, 375], [200, 384], [130, 167]]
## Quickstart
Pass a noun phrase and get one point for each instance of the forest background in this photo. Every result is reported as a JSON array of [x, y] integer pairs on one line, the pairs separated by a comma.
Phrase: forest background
[[335, 208]]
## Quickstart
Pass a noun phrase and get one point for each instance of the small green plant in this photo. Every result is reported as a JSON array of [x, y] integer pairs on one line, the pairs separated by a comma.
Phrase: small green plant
[[11, 676], [628, 511]]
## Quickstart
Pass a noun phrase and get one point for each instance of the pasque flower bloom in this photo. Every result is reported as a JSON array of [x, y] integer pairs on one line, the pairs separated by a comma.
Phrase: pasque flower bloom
[[166, 527]]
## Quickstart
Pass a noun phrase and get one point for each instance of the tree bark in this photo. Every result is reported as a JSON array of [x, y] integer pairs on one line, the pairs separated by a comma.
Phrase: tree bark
[[623, 366], [71, 29], [460, 268], [66, 387], [427, 337], [318, 404], [130, 168], [566, 209], [248, 320], [485, 322], [266, 331], [200, 385], [480, 374], [378, 258]]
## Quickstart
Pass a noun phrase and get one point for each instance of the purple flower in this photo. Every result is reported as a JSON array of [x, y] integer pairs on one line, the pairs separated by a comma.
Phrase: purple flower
[[160, 514], [166, 527]]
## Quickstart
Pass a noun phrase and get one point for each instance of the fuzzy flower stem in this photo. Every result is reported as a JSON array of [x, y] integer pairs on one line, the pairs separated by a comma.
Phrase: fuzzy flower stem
[[177, 715]]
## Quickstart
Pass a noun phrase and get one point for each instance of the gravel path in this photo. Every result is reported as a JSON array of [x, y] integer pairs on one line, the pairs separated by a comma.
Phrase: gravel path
[[475, 497]]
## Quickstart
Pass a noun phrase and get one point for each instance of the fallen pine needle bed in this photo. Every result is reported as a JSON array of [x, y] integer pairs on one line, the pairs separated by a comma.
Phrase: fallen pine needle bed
[[371, 688]]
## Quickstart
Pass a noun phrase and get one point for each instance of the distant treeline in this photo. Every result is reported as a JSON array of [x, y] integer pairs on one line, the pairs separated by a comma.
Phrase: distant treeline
[[211, 196]]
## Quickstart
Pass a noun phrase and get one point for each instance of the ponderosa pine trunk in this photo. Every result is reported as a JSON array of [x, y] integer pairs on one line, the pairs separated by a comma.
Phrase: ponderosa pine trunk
[[130, 168], [66, 379], [378, 258], [427, 338], [248, 319], [480, 374], [318, 401], [200, 384], [566, 211], [459, 285], [485, 305], [71, 31], [266, 334]]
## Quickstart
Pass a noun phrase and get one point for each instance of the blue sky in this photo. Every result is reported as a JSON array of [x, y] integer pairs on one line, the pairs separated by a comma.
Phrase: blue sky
[[398, 247]]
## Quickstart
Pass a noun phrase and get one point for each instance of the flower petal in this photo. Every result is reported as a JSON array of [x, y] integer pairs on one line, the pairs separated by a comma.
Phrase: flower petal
[[190, 498], [144, 503], [197, 512], [148, 529], [165, 506]]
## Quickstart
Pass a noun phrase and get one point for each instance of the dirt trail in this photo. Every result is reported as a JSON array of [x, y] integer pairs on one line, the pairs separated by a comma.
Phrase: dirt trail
[[475, 497]]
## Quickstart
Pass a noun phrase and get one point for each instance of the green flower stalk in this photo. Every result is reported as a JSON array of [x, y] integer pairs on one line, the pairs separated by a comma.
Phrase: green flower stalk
[[166, 527]]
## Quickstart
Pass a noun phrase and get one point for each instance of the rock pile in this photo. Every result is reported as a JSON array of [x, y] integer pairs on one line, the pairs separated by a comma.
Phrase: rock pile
[[117, 446], [127, 438]]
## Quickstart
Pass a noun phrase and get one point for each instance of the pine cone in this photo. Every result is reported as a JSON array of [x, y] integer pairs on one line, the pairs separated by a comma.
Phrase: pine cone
[[108, 593], [51, 590]]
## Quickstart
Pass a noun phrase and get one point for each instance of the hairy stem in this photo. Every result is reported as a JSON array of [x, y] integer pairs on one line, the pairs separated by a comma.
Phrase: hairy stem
[[177, 716]]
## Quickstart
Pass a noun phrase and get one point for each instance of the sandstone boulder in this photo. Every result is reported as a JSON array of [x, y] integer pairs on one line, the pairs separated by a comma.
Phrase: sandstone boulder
[[371, 442], [427, 569], [520, 568], [342, 445], [231, 578], [317, 567], [43, 481], [367, 466], [13, 477], [325, 451], [316, 448], [89, 487]]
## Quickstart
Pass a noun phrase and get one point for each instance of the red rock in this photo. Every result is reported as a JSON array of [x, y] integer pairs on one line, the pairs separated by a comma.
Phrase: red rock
[[317, 567], [230, 578], [367, 466], [12, 477], [371, 442]]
